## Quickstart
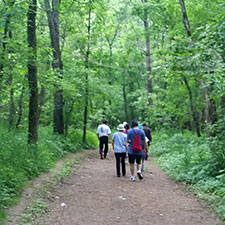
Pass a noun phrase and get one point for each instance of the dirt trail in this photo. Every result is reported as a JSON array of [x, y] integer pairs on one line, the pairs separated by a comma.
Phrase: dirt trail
[[94, 196]]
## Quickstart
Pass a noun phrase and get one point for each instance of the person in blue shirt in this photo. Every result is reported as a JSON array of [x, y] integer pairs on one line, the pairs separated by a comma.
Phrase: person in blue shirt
[[132, 154], [119, 146]]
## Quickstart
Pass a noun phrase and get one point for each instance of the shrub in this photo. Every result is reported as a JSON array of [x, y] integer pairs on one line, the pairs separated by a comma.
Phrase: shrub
[[20, 162], [190, 159]]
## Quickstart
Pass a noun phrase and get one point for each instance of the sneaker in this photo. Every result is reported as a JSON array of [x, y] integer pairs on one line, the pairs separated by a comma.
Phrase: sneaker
[[132, 178], [140, 176]]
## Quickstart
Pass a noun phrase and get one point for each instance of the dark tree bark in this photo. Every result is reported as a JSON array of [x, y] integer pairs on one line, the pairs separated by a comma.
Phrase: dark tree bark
[[5, 37], [188, 31], [41, 98], [125, 102], [86, 78], [222, 102], [10, 83], [148, 52], [20, 111], [32, 73], [208, 102], [12, 104], [57, 65], [185, 18], [68, 115], [193, 111]]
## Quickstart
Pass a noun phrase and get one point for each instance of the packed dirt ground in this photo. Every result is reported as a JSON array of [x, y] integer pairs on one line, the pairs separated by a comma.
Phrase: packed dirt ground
[[95, 195]]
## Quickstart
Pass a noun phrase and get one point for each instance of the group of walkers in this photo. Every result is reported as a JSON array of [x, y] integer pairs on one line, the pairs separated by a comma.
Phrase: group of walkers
[[126, 143]]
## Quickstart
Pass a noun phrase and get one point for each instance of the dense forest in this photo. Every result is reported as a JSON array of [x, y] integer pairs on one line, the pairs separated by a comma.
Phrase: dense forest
[[66, 65]]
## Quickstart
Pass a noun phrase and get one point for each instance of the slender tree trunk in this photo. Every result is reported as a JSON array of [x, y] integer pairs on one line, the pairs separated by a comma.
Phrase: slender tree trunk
[[185, 18], [222, 102], [5, 37], [87, 79], [125, 102], [193, 111], [12, 104], [205, 92], [131, 108], [32, 73], [68, 117], [148, 52], [188, 31], [41, 101], [110, 42], [20, 111], [10, 83], [57, 65]]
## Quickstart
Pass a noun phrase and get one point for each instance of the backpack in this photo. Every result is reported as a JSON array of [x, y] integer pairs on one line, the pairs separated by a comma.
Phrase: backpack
[[136, 145]]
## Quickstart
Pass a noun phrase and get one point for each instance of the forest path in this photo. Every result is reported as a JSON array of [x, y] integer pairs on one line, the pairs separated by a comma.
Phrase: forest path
[[93, 195]]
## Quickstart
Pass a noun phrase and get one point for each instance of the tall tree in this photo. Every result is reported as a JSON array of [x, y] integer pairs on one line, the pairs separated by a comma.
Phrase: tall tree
[[32, 73], [148, 49], [57, 65], [5, 36], [188, 31], [86, 76]]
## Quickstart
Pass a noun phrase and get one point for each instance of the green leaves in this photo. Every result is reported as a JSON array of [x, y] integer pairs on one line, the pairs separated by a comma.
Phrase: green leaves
[[187, 158]]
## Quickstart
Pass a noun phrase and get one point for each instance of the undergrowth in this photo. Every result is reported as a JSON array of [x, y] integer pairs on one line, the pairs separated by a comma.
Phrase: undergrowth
[[20, 162], [188, 158]]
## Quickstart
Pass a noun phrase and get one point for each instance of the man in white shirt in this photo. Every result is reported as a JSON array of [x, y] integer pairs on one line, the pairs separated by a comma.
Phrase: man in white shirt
[[103, 133]]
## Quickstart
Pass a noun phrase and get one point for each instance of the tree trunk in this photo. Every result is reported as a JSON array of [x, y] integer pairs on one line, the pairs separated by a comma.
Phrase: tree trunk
[[193, 111], [125, 102], [222, 102], [20, 111], [68, 116], [148, 52], [41, 101], [5, 36], [12, 104], [86, 78], [57, 65], [205, 92], [185, 18], [32, 73], [10, 83]]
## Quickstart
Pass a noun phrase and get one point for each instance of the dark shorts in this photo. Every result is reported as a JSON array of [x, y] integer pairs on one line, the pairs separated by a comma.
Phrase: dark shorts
[[133, 157]]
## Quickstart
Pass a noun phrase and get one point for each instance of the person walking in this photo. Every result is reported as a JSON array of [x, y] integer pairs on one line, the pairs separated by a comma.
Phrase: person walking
[[119, 146], [148, 133], [103, 133], [137, 145], [126, 128]]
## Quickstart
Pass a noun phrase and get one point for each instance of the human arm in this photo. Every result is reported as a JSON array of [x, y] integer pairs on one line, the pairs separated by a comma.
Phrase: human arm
[[145, 148], [145, 145], [150, 135], [98, 132]]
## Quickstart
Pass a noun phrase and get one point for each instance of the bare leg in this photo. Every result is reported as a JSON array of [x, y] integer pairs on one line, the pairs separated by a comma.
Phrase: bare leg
[[132, 169], [139, 166]]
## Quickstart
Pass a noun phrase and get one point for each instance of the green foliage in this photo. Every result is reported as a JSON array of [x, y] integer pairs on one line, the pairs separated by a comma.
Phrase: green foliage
[[38, 208], [187, 158], [20, 162], [75, 139], [217, 146]]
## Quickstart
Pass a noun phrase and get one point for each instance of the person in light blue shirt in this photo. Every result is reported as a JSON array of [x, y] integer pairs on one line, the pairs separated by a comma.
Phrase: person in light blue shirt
[[119, 146]]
